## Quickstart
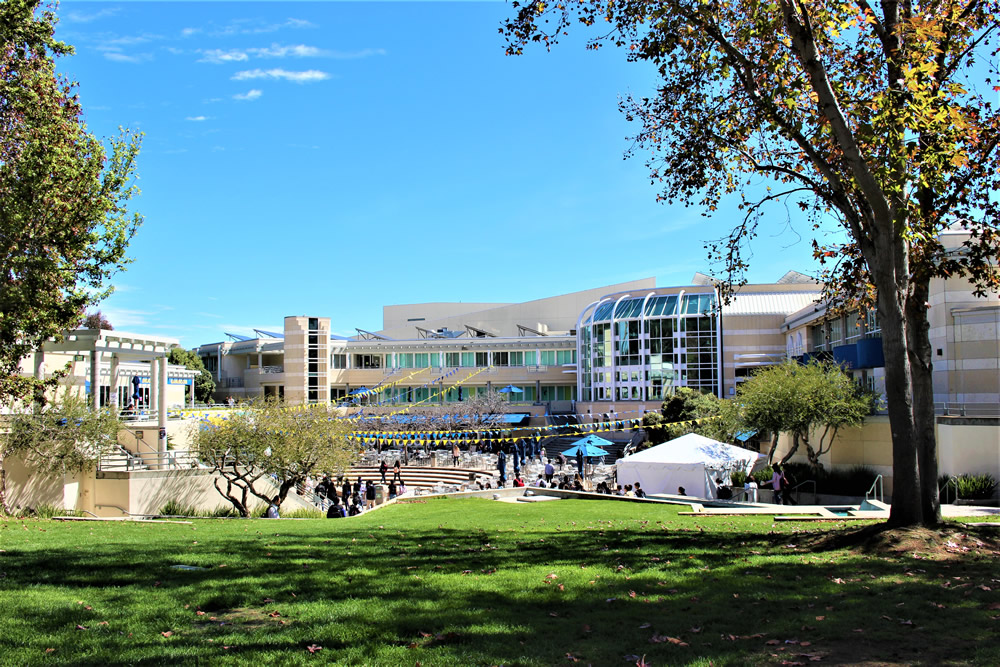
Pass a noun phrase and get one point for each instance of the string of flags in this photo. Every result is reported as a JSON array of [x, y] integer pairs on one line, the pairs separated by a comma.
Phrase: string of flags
[[476, 436]]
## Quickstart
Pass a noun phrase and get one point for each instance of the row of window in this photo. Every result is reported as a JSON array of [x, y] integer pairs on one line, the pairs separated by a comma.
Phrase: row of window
[[517, 358], [465, 393]]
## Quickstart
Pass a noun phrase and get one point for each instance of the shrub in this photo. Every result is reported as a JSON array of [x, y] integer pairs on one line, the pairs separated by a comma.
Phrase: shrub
[[738, 478], [46, 511], [175, 508], [976, 487], [303, 513], [763, 475]]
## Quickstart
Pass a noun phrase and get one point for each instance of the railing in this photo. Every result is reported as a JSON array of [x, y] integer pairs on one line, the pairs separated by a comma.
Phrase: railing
[[795, 490], [169, 460], [953, 483], [231, 382], [272, 370], [876, 490], [967, 409]]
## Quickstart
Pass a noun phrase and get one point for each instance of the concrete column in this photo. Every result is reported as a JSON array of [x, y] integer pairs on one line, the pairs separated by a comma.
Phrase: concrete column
[[95, 380], [114, 382], [192, 393], [161, 417], [39, 365], [260, 360], [154, 385]]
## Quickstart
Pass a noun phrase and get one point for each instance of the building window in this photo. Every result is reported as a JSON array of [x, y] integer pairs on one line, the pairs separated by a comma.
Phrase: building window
[[338, 361], [451, 359]]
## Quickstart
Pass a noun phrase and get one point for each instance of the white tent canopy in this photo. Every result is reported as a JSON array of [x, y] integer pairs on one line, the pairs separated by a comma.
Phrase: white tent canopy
[[692, 461]]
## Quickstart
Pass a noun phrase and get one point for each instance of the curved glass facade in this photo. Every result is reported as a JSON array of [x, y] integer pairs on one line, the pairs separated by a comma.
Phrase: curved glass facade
[[638, 348]]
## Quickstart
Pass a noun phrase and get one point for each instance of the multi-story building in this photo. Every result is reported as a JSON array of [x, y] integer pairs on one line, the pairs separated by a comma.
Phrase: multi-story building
[[626, 344]]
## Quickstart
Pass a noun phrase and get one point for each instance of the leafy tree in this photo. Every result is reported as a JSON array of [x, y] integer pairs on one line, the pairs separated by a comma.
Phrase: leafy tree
[[96, 320], [266, 440], [799, 400], [684, 405], [204, 384], [65, 436], [874, 120], [64, 225]]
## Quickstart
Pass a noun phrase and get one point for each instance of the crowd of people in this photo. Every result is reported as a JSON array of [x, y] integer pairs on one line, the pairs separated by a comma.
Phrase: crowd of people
[[343, 498]]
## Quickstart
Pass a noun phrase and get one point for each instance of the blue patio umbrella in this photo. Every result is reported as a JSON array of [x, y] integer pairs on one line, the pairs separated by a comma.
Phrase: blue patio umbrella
[[359, 390], [590, 445], [510, 389]]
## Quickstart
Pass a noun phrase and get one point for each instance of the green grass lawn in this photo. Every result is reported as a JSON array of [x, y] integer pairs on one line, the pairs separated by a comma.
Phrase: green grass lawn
[[477, 582]]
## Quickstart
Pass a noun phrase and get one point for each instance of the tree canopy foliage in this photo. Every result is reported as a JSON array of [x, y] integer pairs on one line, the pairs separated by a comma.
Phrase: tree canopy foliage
[[204, 384], [678, 415], [267, 443], [801, 400], [97, 320], [64, 221], [64, 436], [877, 121]]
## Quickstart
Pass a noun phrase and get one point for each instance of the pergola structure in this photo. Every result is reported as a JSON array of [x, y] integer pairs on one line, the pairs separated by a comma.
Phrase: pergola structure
[[108, 351]]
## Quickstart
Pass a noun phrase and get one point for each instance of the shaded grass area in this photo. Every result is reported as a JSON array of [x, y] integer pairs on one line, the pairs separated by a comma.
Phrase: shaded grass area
[[469, 582]]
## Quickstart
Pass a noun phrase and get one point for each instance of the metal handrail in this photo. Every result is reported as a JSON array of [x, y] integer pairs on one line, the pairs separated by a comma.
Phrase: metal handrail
[[795, 490], [953, 483], [880, 493]]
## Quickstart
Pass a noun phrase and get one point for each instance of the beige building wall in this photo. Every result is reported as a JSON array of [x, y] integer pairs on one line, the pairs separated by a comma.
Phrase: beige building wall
[[966, 445], [307, 359], [555, 314]]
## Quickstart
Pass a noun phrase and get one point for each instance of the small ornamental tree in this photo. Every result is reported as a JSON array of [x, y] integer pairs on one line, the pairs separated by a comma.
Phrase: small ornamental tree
[[64, 222], [800, 400], [62, 437], [204, 384], [266, 444], [877, 121], [679, 411], [97, 320]]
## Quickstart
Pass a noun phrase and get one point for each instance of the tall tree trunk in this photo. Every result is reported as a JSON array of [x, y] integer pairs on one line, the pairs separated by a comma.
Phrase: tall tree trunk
[[3, 490], [922, 380], [906, 506]]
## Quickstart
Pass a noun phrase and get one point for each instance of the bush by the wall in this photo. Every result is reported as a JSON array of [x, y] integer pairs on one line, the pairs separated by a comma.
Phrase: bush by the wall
[[976, 487]]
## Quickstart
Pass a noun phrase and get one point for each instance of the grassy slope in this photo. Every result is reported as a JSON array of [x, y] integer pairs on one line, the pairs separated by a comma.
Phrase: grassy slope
[[479, 582]]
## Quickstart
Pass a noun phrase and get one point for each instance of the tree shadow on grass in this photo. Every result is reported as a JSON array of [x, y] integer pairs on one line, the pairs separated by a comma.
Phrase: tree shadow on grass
[[597, 593]]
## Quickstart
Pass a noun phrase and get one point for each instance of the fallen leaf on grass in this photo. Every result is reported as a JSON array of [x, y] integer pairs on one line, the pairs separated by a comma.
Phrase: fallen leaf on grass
[[103, 623], [572, 658], [49, 650], [645, 625], [81, 627], [199, 613], [168, 633], [313, 648], [661, 639]]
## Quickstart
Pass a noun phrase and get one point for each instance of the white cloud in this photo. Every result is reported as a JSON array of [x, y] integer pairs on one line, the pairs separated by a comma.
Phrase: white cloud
[[81, 17], [307, 76], [118, 57], [218, 56], [293, 50], [187, 32], [249, 96], [247, 27], [197, 119]]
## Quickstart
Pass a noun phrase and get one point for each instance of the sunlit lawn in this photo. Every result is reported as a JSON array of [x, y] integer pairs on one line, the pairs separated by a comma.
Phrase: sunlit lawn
[[470, 582]]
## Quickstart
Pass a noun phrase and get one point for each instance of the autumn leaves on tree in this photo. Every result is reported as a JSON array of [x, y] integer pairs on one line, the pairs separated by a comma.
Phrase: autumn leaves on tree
[[875, 121]]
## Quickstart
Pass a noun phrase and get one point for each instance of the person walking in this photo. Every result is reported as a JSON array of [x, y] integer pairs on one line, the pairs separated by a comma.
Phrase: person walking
[[777, 483], [370, 497], [396, 472], [383, 469]]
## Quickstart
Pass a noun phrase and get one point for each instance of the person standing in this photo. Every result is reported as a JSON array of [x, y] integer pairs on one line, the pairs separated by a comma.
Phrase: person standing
[[383, 468], [777, 483], [549, 471], [456, 453], [579, 461], [396, 476], [345, 492], [370, 497], [502, 467]]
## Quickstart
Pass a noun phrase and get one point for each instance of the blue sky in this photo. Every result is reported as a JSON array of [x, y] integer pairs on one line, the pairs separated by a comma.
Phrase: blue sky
[[327, 158]]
